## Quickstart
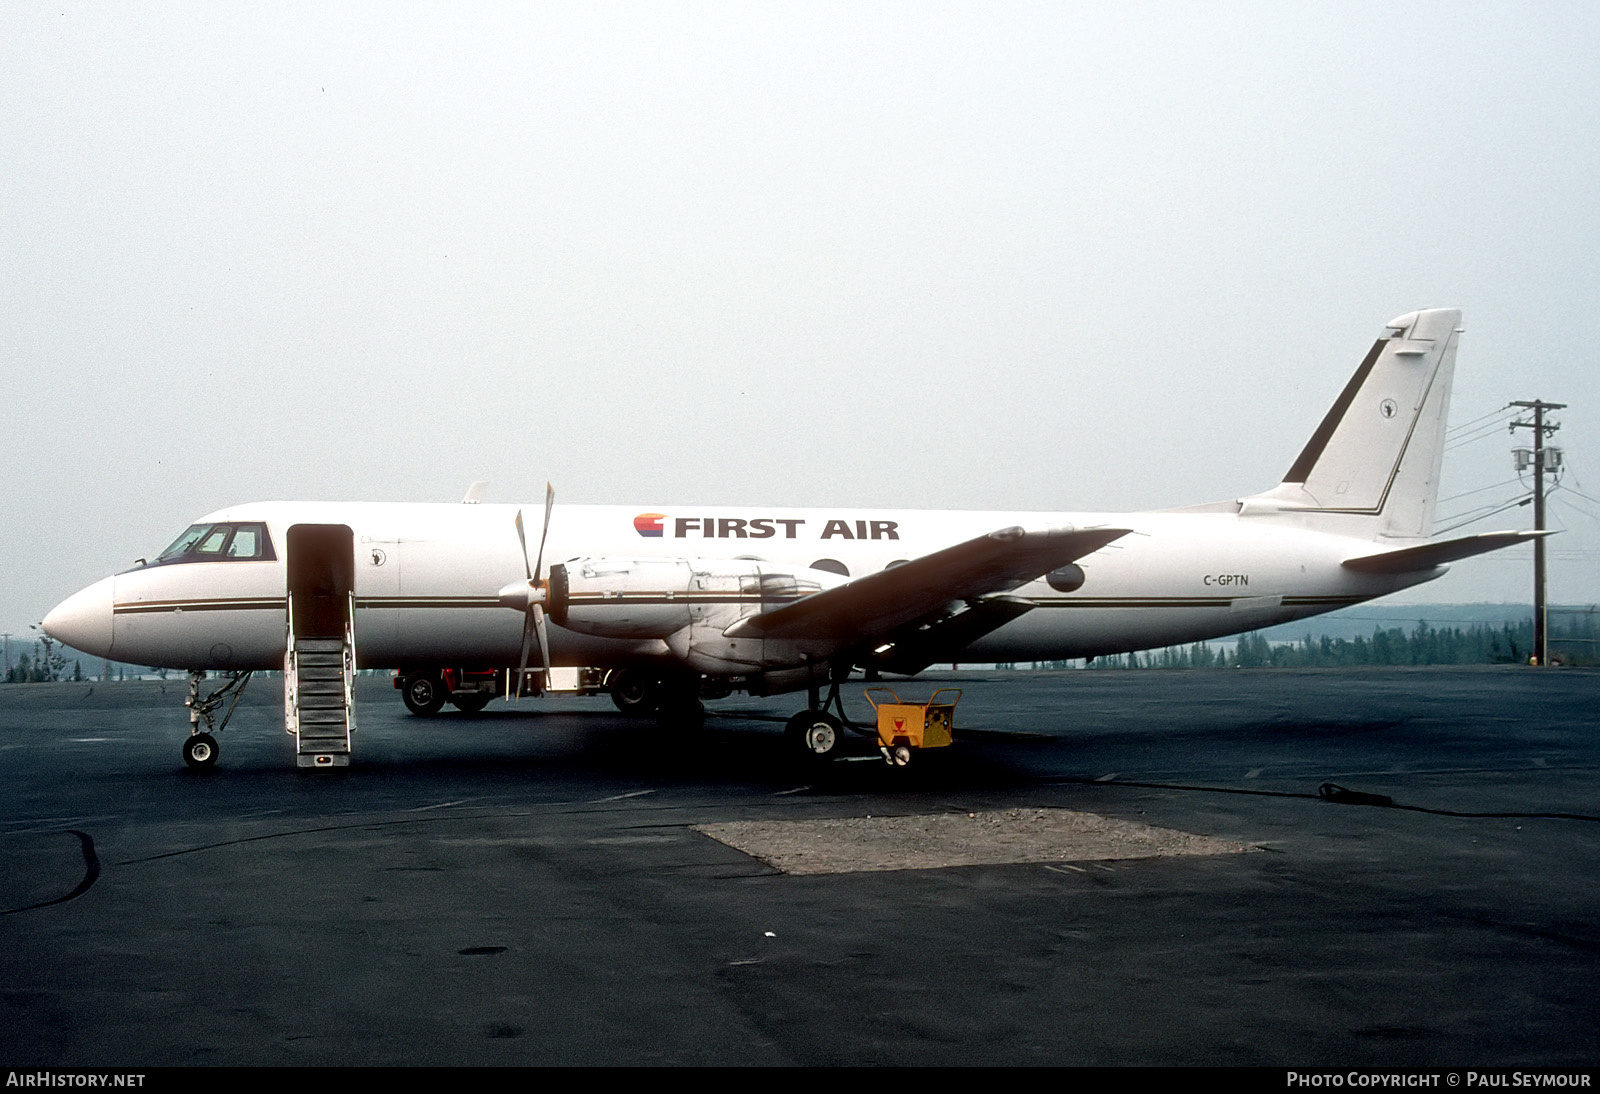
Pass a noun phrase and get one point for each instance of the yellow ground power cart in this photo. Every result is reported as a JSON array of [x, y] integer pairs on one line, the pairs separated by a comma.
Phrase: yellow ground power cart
[[905, 727]]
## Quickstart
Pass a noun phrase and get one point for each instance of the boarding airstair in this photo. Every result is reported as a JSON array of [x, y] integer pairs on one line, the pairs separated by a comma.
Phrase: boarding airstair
[[319, 660], [318, 707]]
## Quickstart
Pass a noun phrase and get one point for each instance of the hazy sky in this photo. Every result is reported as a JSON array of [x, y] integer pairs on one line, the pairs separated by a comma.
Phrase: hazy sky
[[994, 255]]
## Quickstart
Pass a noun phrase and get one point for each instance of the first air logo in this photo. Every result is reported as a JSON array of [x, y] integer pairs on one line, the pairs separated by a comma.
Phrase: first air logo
[[652, 526]]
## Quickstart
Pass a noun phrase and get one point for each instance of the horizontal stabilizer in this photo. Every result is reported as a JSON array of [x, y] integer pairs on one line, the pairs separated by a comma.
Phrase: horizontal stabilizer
[[879, 603], [1429, 555]]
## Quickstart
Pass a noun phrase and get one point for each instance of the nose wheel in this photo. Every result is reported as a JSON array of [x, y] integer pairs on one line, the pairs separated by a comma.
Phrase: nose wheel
[[200, 751]]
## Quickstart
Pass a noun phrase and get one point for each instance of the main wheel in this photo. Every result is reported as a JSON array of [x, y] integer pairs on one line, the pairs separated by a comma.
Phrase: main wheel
[[634, 691], [200, 751], [424, 694], [815, 735]]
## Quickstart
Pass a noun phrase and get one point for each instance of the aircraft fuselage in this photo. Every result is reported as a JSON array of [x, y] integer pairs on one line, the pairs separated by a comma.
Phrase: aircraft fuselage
[[426, 577]]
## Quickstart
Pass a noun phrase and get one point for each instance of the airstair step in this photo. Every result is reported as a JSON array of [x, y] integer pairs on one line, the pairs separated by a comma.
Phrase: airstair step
[[325, 686]]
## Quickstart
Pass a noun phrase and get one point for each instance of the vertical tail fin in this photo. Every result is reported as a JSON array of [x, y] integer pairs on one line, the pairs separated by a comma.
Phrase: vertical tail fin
[[1373, 464]]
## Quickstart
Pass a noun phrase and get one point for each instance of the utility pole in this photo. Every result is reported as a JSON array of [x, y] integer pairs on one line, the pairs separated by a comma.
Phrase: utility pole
[[1541, 638]]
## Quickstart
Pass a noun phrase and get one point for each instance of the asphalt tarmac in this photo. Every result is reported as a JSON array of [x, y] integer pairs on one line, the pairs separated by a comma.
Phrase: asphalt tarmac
[[527, 886]]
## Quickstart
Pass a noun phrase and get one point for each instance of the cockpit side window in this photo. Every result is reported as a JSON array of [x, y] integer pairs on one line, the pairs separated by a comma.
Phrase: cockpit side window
[[211, 543], [223, 542], [246, 541]]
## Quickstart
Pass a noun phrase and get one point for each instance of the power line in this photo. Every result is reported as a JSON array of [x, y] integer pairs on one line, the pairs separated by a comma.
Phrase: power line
[[1484, 431], [1482, 516], [1479, 490], [1500, 413]]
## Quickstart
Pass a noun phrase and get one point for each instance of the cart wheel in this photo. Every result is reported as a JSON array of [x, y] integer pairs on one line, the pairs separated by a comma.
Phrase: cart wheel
[[900, 755]]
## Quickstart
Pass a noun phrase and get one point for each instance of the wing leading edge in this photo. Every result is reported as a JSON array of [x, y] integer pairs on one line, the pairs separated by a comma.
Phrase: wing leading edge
[[877, 604]]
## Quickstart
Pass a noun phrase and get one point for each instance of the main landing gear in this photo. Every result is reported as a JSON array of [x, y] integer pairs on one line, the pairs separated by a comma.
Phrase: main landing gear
[[634, 691], [674, 698], [815, 735], [903, 729], [200, 747]]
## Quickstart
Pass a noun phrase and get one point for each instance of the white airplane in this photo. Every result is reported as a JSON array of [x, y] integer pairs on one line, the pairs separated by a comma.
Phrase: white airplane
[[674, 604]]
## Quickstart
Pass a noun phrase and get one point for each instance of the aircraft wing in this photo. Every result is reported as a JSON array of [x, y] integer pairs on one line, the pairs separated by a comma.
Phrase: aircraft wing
[[916, 646], [877, 604], [1428, 555]]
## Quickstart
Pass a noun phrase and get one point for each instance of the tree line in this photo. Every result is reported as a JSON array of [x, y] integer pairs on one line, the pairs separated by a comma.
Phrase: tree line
[[1572, 642]]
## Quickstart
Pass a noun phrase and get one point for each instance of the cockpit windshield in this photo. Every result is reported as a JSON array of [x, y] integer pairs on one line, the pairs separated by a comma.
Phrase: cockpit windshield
[[228, 542]]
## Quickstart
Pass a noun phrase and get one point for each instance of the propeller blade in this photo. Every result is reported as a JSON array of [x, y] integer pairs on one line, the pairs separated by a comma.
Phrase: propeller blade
[[537, 616], [549, 504], [527, 643], [522, 538]]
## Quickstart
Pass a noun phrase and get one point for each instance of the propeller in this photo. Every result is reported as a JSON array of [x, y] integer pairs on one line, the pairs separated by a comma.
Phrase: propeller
[[530, 596]]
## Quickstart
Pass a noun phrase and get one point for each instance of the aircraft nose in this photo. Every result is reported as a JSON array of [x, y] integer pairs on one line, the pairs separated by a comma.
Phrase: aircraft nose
[[83, 620]]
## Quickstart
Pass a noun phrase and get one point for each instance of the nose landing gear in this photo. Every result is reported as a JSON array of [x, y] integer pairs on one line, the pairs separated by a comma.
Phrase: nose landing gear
[[200, 748]]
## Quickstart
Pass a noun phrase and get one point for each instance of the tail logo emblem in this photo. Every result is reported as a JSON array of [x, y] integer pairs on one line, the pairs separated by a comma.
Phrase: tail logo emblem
[[1388, 408]]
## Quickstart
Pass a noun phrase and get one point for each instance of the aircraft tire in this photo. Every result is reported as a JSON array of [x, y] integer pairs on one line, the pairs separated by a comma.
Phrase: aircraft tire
[[634, 692], [423, 693], [815, 735], [200, 751], [471, 702]]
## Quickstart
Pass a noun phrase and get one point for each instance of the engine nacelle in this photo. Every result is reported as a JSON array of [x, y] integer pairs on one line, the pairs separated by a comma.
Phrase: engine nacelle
[[622, 597], [686, 602]]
